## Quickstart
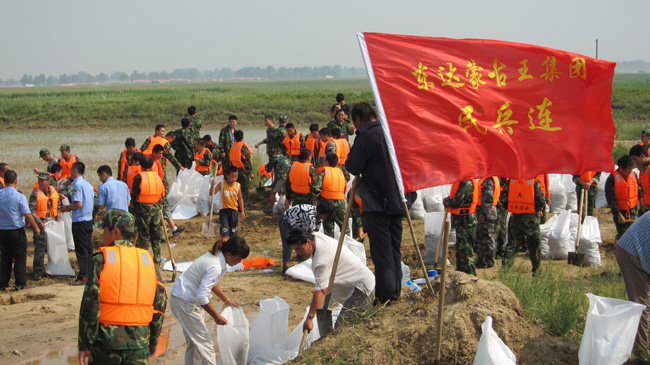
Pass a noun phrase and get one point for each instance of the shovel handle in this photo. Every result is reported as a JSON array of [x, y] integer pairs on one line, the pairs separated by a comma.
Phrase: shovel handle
[[171, 254], [303, 340]]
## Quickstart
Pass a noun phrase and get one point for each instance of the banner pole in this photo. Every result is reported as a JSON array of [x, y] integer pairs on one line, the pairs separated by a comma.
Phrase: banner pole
[[441, 303]]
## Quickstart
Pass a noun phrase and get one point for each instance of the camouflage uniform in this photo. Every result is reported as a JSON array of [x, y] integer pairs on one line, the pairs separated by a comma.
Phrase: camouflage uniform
[[243, 178], [298, 198], [195, 129], [502, 217], [591, 195], [225, 143], [465, 226], [485, 245], [346, 128], [40, 241], [281, 165], [147, 221], [109, 344], [337, 215], [357, 220], [184, 150], [523, 230], [610, 194], [273, 140]]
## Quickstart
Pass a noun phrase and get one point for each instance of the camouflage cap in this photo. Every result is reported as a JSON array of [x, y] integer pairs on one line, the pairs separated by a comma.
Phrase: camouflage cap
[[282, 118], [120, 219], [43, 152], [64, 147], [43, 176], [645, 132]]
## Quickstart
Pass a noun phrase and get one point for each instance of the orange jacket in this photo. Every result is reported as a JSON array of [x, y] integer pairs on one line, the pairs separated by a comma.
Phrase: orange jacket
[[323, 147], [544, 185], [66, 166], [521, 196], [201, 156], [154, 141], [158, 168], [588, 176], [151, 188], [466, 210], [300, 178], [131, 172], [359, 202], [263, 171], [41, 203], [342, 150], [627, 192], [644, 178], [497, 190], [333, 184], [123, 164], [293, 144], [127, 286], [236, 155], [310, 144]]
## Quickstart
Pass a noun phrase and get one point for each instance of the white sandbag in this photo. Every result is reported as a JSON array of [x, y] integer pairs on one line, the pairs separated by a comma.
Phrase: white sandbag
[[573, 226], [185, 209], [570, 189], [601, 199], [66, 218], [204, 198], [433, 197], [293, 341], [58, 262], [559, 241], [180, 266], [544, 234], [491, 349], [432, 229], [558, 193], [232, 338], [406, 274], [357, 248], [268, 183], [280, 204], [187, 183], [269, 333], [610, 330], [589, 240], [302, 271], [417, 209]]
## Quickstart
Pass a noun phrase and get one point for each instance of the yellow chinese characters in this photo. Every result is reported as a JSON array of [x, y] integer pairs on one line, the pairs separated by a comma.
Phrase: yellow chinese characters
[[503, 119], [422, 77], [474, 75], [552, 72], [496, 74], [448, 77], [466, 121], [578, 68], [523, 71], [543, 117]]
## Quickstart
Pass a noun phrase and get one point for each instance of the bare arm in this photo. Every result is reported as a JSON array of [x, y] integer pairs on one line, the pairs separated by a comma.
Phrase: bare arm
[[240, 199], [316, 301]]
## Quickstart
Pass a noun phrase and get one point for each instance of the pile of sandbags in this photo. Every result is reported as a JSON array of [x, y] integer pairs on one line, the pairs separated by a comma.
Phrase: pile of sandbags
[[432, 229]]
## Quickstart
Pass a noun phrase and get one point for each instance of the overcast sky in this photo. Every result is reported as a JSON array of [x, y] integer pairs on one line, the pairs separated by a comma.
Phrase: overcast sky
[[65, 36]]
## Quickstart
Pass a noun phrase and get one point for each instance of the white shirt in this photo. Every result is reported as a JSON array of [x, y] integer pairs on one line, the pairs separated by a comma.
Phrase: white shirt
[[351, 272], [196, 283]]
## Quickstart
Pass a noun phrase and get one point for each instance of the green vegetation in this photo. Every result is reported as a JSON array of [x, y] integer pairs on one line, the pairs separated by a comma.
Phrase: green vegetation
[[631, 105]]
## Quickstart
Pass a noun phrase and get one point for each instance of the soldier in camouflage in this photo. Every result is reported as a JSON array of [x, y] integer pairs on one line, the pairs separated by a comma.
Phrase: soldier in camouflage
[[104, 343], [184, 151], [300, 198], [338, 214], [50, 213], [502, 216], [147, 216], [486, 215], [465, 226], [274, 136], [245, 172], [195, 125], [281, 165], [343, 124], [226, 139]]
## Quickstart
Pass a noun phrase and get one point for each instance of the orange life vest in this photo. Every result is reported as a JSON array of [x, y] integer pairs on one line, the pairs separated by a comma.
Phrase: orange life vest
[[333, 184], [310, 144], [151, 188], [323, 147], [201, 156], [342, 150], [293, 144], [66, 166], [236, 155], [158, 168], [299, 177], [154, 141], [644, 178], [627, 192], [544, 185], [465, 210], [588, 176], [41, 203], [359, 202], [2, 180], [124, 164], [497, 190], [127, 286], [263, 171], [131, 172], [521, 196]]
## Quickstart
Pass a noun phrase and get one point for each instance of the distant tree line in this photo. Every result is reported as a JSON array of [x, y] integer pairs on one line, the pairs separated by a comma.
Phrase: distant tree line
[[192, 74], [639, 66]]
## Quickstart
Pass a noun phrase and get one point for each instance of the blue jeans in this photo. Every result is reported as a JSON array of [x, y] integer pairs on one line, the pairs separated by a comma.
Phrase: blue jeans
[[284, 233]]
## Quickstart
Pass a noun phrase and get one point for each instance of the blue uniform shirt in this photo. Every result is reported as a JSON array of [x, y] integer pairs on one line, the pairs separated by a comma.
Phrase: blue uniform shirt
[[636, 241], [82, 192], [114, 195], [13, 207]]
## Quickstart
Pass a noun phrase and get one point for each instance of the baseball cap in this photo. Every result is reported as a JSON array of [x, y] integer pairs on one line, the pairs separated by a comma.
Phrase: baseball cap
[[43, 152], [120, 219]]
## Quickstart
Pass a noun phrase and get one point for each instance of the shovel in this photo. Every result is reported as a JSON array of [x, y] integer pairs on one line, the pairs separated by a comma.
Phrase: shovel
[[169, 245], [324, 315], [576, 258], [210, 229]]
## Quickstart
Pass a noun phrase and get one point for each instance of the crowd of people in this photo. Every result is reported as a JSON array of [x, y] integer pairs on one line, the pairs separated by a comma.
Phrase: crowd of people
[[312, 171]]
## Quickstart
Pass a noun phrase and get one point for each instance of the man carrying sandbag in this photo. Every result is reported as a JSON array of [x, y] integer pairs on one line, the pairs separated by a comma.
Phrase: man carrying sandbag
[[44, 203]]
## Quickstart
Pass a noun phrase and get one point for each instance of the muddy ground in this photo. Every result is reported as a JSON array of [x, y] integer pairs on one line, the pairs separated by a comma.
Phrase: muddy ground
[[40, 324]]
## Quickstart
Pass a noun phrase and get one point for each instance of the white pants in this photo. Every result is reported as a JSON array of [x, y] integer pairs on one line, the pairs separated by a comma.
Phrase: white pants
[[197, 337]]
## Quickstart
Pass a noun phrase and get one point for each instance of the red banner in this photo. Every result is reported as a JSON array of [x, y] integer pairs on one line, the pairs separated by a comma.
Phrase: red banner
[[460, 109]]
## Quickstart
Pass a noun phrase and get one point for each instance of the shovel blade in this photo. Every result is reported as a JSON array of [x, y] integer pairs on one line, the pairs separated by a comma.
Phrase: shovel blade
[[324, 318], [209, 229]]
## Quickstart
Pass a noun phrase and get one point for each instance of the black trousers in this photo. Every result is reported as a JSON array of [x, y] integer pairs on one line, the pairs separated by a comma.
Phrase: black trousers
[[385, 236], [13, 247], [82, 233]]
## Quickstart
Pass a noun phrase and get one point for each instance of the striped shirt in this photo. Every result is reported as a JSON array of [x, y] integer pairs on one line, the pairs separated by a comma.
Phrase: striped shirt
[[636, 241], [303, 215]]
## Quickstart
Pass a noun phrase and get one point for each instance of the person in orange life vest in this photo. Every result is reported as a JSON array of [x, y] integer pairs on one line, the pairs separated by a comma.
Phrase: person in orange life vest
[[461, 204], [159, 132], [312, 143], [342, 150], [240, 157], [44, 203], [232, 202], [147, 200], [588, 180], [546, 190], [133, 170], [301, 177], [293, 143], [525, 201], [192, 291], [214, 149], [358, 232], [47, 157], [330, 184], [4, 167], [622, 190], [639, 155], [203, 158], [327, 145], [123, 303], [66, 161], [157, 153], [126, 158], [164, 139]]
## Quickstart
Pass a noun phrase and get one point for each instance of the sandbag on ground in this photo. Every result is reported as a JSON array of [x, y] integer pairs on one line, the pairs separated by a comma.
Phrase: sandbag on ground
[[58, 262]]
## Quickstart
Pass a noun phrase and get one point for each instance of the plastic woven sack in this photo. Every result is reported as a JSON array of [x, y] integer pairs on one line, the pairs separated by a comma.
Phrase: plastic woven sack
[[559, 241], [432, 229], [269, 334], [491, 349], [58, 262], [589, 240], [232, 338]]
